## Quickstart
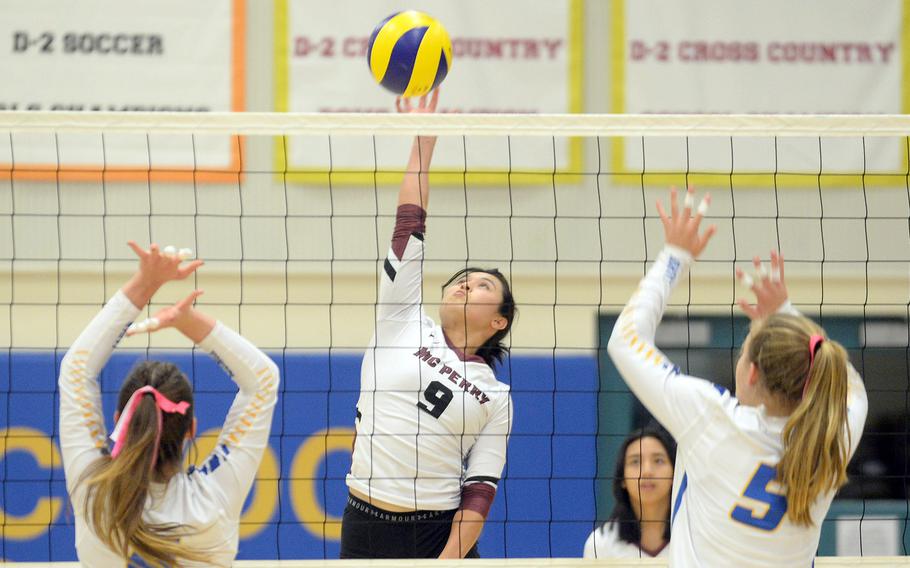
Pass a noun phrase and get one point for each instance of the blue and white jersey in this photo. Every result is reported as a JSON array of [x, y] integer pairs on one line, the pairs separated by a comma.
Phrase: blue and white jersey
[[727, 507], [207, 501]]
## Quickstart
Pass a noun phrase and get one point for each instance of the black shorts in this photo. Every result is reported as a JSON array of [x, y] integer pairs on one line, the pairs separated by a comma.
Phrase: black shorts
[[370, 532]]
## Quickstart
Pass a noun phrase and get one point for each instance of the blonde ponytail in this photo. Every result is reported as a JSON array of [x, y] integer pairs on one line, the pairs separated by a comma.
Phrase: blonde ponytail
[[815, 438], [116, 490]]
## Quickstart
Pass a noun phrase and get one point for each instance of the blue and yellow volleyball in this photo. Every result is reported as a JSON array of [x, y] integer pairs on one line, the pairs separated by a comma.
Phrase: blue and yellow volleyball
[[410, 53]]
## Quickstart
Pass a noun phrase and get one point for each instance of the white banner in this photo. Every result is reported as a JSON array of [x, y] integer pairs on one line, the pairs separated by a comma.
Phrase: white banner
[[506, 58], [715, 56], [118, 55]]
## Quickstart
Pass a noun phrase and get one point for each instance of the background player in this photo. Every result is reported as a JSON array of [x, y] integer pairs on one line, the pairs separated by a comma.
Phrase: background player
[[639, 525], [432, 420], [135, 499], [757, 472]]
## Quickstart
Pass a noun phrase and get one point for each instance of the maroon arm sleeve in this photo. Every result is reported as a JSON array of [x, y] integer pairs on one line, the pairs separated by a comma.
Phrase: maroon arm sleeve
[[478, 497], [410, 219]]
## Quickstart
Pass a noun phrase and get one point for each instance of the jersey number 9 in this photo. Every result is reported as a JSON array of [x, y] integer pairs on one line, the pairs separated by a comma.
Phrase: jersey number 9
[[439, 396], [758, 490]]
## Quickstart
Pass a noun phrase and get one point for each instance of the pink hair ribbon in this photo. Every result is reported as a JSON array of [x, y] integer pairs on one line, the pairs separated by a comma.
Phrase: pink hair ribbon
[[814, 342], [162, 404]]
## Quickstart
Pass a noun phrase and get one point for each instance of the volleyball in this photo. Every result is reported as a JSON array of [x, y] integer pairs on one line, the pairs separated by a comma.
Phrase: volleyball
[[409, 53]]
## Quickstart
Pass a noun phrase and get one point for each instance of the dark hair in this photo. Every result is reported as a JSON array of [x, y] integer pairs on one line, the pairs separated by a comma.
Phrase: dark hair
[[116, 489], [623, 514], [493, 350]]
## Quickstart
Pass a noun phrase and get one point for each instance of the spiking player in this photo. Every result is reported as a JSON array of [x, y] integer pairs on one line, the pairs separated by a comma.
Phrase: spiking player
[[756, 473], [432, 420], [135, 499]]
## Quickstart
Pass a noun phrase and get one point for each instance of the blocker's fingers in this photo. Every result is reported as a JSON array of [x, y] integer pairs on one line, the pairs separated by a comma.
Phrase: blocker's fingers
[[775, 271], [777, 267], [144, 326], [703, 206], [744, 278], [185, 253], [434, 98], [750, 310], [689, 201], [663, 214], [674, 204], [184, 271], [188, 301], [140, 252], [170, 250]]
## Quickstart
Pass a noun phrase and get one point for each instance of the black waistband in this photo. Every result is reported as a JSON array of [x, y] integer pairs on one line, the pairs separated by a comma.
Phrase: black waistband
[[391, 516]]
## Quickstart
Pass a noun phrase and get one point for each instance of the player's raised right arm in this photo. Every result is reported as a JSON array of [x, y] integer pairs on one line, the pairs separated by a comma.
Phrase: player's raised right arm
[[650, 375], [415, 189], [401, 280]]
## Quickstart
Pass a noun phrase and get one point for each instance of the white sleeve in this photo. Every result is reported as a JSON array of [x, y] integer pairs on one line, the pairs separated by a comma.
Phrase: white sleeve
[[589, 546], [677, 401], [488, 455], [233, 463], [401, 278], [83, 435], [857, 399]]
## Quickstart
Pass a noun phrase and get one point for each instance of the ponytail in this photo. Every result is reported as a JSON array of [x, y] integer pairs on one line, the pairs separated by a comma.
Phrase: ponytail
[[815, 438], [116, 489]]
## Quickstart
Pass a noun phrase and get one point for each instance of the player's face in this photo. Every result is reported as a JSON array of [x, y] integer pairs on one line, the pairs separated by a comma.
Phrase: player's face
[[648, 473], [476, 298], [745, 392]]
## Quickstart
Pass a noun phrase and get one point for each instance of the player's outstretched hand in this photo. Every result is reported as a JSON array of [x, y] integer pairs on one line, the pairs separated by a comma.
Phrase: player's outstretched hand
[[681, 227], [157, 267], [424, 105], [770, 288], [180, 315]]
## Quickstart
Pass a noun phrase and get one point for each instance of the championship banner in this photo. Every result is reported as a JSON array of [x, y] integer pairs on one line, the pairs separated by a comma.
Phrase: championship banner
[[110, 55], [501, 63], [776, 57]]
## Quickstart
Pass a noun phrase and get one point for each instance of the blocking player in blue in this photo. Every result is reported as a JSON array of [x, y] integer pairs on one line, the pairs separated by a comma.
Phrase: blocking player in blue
[[134, 503], [755, 473]]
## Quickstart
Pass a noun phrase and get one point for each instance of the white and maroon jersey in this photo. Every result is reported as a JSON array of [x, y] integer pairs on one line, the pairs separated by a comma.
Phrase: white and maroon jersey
[[604, 542], [727, 507], [206, 500], [429, 419]]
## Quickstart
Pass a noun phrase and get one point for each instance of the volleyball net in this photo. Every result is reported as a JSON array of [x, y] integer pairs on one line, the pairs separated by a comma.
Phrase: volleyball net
[[293, 215]]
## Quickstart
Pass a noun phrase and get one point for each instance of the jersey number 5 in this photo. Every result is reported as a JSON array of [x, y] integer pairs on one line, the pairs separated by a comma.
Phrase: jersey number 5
[[439, 396], [759, 491]]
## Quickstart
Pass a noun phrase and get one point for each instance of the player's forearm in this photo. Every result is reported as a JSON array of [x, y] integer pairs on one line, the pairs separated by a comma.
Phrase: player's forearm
[[645, 309], [466, 528], [139, 290], [632, 349], [196, 326], [415, 188]]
